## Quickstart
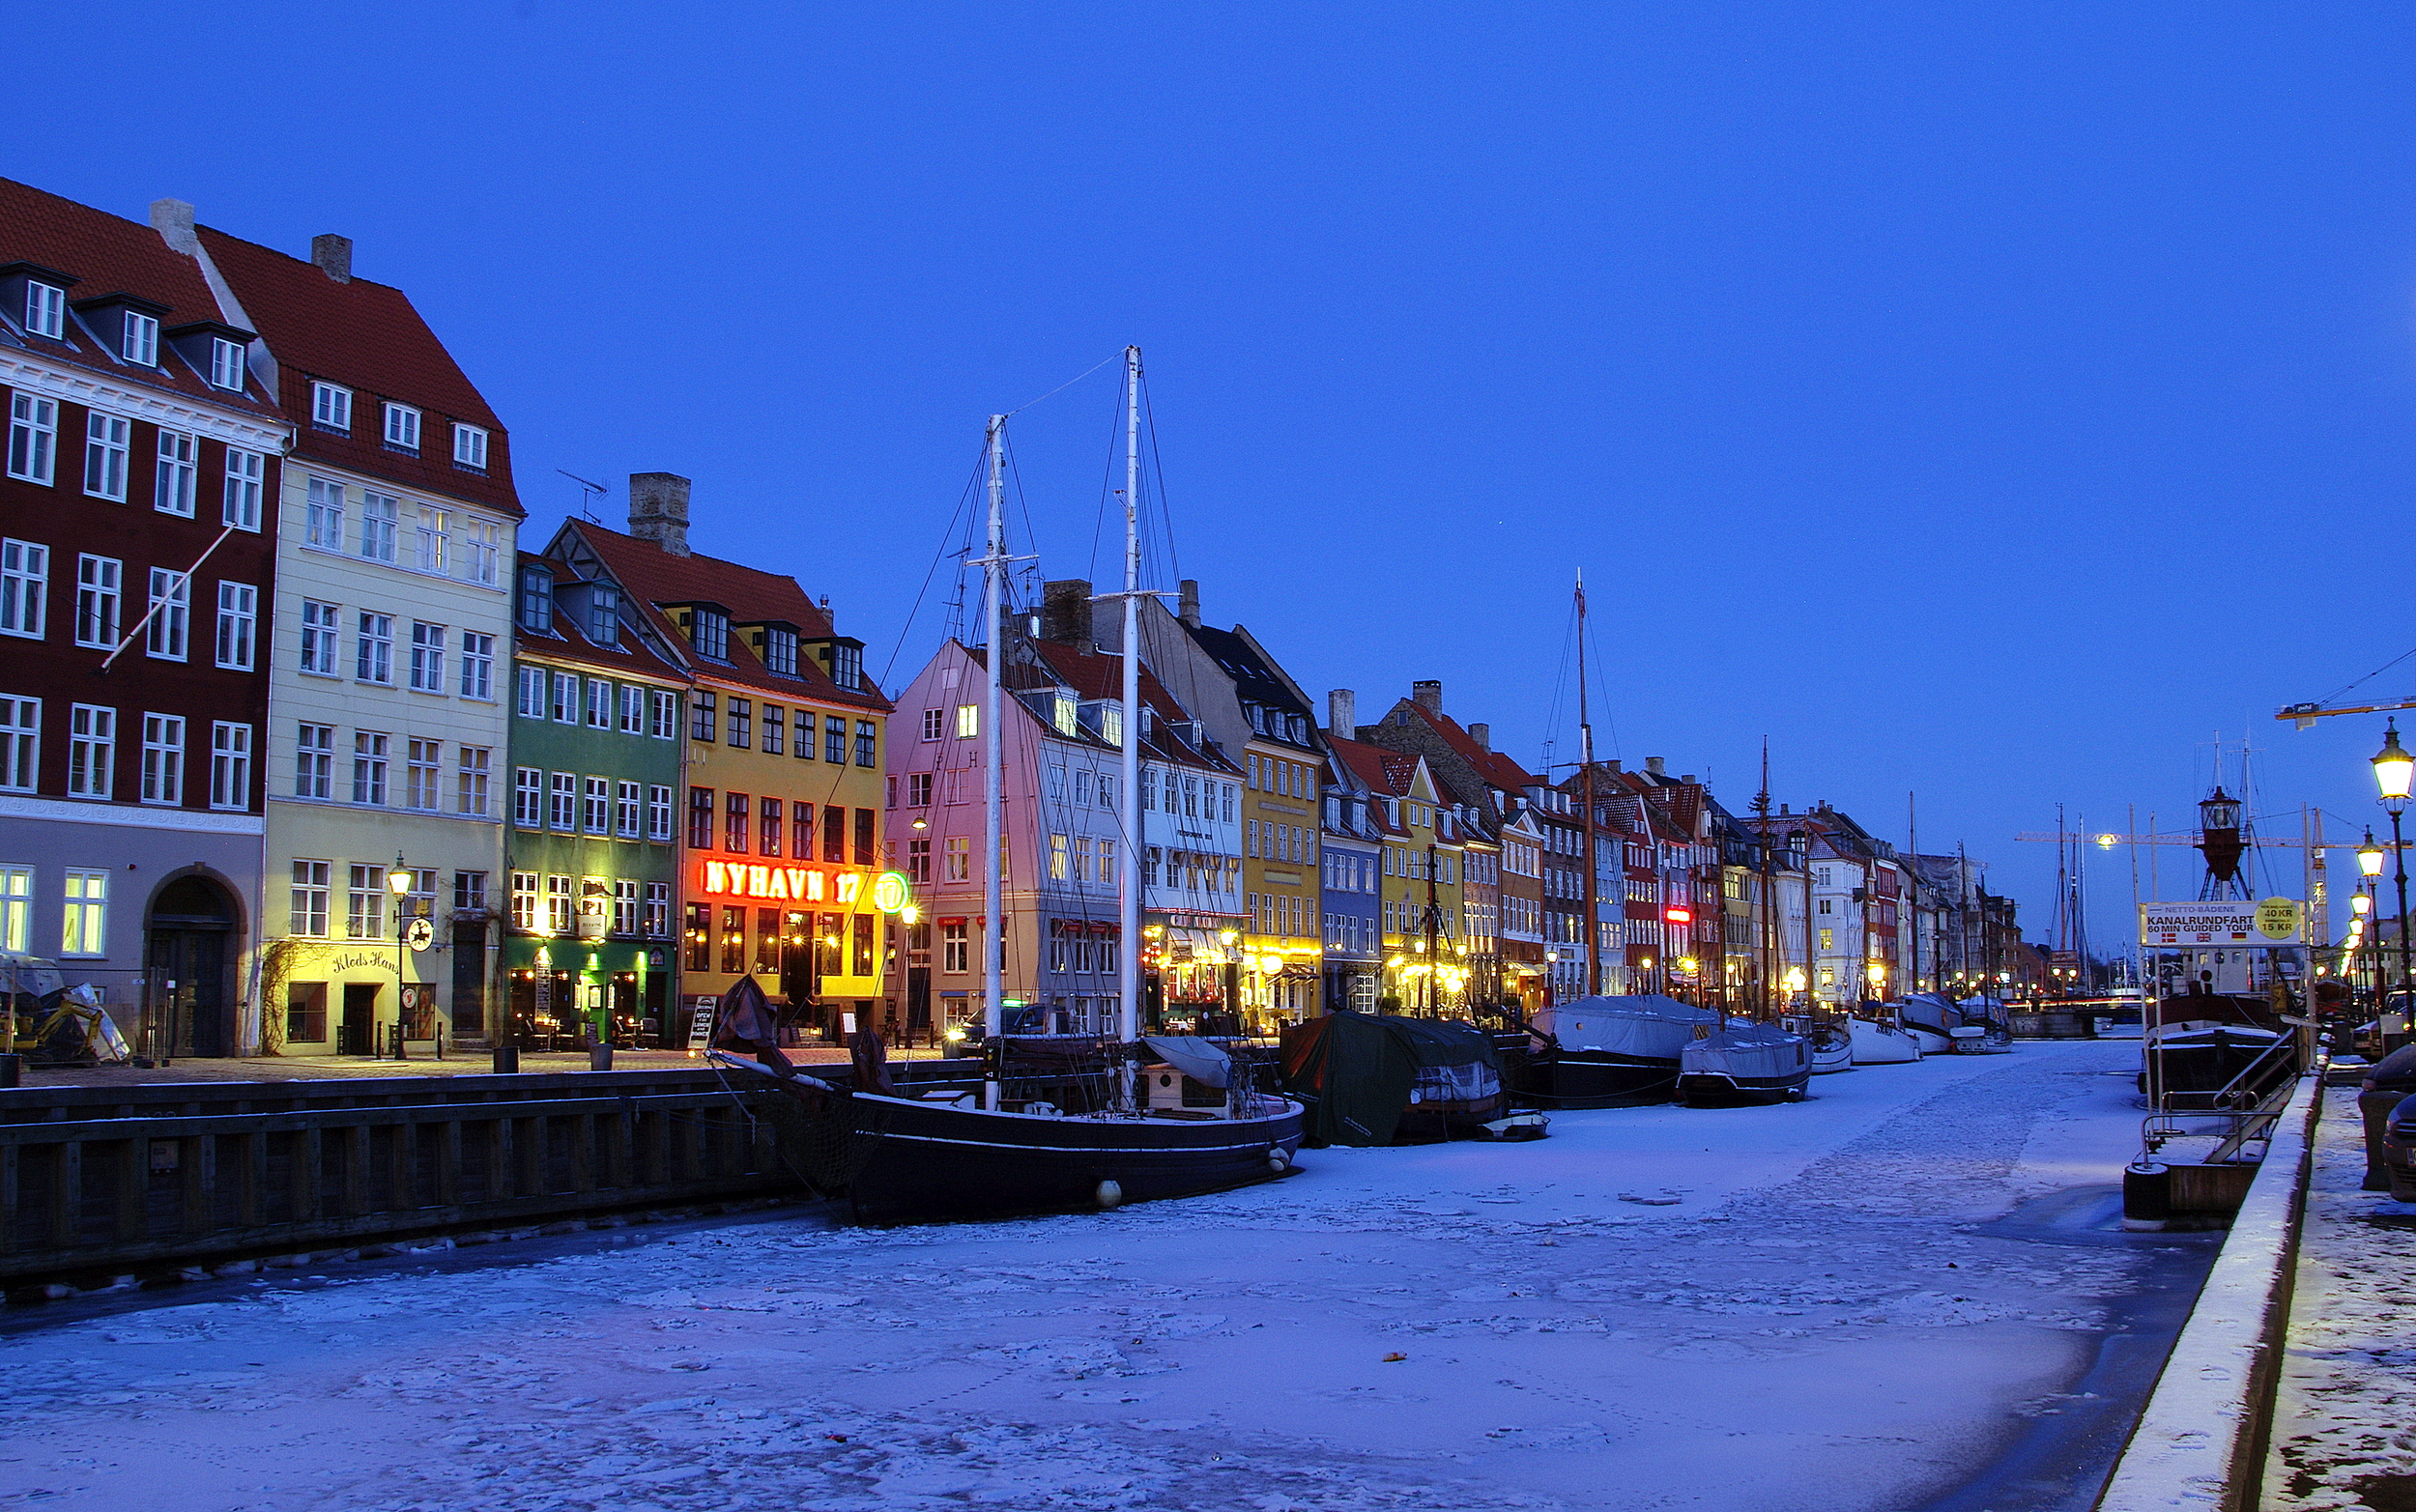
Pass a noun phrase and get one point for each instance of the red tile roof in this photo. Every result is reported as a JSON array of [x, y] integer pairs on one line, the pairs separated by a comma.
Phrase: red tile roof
[[631, 658], [110, 254], [1093, 675], [1490, 764], [366, 336], [656, 578]]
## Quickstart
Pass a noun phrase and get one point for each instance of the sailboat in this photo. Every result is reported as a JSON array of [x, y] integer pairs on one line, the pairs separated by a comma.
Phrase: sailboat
[[1098, 1138]]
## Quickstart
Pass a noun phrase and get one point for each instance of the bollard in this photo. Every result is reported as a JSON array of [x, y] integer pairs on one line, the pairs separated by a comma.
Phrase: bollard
[[507, 1060], [2146, 1196], [599, 1057], [440, 1039], [11, 1069]]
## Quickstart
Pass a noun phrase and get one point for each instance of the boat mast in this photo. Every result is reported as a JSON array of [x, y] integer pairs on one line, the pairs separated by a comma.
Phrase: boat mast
[[1912, 911], [1585, 787], [993, 765], [1768, 952], [1128, 955]]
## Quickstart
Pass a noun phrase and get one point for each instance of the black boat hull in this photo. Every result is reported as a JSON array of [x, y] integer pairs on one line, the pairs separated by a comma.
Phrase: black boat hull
[[1703, 1088], [1598, 1080], [935, 1160]]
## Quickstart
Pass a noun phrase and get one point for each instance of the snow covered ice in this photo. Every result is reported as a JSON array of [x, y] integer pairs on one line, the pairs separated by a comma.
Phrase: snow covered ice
[[1823, 1318]]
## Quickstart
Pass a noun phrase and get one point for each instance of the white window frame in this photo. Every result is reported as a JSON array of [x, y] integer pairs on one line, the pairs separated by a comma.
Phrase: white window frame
[[528, 798], [178, 478], [423, 774], [402, 427], [477, 666], [595, 806], [427, 657], [331, 406], [45, 309], [230, 765], [322, 637], [433, 535], [364, 903], [167, 631], [626, 808], [226, 365], [657, 922], [476, 550], [562, 803], [566, 698], [84, 925], [474, 798], [92, 750], [599, 704], [239, 505], [323, 520], [24, 587], [379, 514], [663, 716], [239, 618], [372, 758], [139, 339], [307, 900], [529, 692], [33, 438], [373, 656], [17, 908], [314, 760], [658, 812], [469, 445], [107, 442], [21, 744], [632, 717]]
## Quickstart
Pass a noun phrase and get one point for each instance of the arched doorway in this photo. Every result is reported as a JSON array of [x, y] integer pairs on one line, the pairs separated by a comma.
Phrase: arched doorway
[[191, 947]]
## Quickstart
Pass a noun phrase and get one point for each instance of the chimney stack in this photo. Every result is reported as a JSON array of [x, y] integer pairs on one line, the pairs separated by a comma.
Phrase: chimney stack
[[1065, 612], [1482, 736], [1342, 713], [1427, 695], [334, 256], [1613, 766], [1187, 602], [1688, 779], [173, 220], [658, 508], [1653, 764]]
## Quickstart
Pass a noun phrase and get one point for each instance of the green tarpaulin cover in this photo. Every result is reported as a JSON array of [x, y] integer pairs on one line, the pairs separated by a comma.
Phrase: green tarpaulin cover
[[1355, 1070]]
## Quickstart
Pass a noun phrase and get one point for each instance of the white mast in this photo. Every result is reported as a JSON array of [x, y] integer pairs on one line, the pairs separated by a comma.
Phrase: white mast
[[1128, 955], [994, 765]]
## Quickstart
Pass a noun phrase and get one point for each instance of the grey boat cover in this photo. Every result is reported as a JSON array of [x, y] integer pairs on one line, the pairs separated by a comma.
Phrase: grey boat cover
[[1934, 1012], [1202, 1061], [1649, 1027], [1745, 1052]]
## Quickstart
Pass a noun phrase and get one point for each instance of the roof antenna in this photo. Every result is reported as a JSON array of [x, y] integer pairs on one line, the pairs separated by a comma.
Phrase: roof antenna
[[592, 491]]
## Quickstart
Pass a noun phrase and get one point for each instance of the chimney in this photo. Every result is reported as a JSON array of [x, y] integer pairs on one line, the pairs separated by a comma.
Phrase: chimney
[[1065, 612], [333, 255], [173, 220], [1186, 602], [1482, 736], [1613, 766], [1688, 779], [1427, 695], [658, 507], [1342, 713], [1653, 764]]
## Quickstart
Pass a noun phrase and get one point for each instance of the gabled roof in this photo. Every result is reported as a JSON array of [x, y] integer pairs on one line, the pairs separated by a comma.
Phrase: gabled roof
[[1092, 674], [110, 254], [633, 658], [1387, 773], [366, 336], [654, 577], [1495, 768], [1255, 677]]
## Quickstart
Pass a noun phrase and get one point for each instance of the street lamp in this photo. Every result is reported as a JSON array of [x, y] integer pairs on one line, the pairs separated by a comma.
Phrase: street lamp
[[2394, 770]]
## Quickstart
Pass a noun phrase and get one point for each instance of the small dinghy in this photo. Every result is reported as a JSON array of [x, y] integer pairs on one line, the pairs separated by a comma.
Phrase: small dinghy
[[1831, 1041], [1743, 1061], [1876, 1043]]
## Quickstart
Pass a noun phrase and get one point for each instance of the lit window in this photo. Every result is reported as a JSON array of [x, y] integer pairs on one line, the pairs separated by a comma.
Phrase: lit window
[[968, 721], [85, 931], [469, 447], [17, 908], [432, 537], [402, 428]]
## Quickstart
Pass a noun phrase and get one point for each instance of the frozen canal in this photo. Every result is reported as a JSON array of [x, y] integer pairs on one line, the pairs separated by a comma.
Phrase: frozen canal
[[1809, 1307]]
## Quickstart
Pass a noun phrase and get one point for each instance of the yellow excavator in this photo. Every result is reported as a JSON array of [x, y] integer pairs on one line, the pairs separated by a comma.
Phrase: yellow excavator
[[51, 1023]]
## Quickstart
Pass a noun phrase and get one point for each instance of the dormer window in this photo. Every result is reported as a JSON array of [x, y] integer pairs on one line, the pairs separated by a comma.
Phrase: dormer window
[[332, 406], [402, 428], [708, 631], [470, 446], [226, 365], [779, 649], [604, 614], [536, 608], [847, 666], [45, 310], [139, 340]]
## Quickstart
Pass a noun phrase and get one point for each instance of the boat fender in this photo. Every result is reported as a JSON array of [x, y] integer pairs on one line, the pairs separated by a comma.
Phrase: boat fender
[[1110, 1194], [1278, 1162]]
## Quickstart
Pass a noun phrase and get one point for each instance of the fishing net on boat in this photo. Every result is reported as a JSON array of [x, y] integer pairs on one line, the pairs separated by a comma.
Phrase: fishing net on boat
[[824, 1139]]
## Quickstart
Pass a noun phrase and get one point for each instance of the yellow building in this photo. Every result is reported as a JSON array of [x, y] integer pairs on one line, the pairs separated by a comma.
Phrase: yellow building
[[1426, 965], [781, 821]]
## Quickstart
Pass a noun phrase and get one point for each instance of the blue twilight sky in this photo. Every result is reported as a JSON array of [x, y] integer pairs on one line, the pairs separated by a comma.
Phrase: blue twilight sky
[[1989, 402]]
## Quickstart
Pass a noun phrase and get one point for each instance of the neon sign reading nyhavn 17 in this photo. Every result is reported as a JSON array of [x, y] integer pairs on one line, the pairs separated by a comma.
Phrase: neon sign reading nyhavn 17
[[804, 884]]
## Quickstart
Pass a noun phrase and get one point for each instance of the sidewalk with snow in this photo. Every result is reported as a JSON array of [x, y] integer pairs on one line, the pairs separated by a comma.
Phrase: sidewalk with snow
[[1805, 1306]]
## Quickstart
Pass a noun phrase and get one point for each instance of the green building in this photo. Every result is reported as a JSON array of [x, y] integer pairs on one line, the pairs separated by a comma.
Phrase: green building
[[592, 855]]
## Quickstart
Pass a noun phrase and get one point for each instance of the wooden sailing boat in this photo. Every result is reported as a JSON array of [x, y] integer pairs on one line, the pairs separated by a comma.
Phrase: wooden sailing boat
[[1089, 1139]]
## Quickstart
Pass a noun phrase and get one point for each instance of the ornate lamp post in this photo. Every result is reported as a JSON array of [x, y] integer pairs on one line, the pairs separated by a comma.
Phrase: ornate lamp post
[[2369, 868], [2394, 771]]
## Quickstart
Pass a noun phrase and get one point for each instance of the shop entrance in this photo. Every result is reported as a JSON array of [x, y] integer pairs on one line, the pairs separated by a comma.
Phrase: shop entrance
[[189, 941], [356, 1035], [468, 976]]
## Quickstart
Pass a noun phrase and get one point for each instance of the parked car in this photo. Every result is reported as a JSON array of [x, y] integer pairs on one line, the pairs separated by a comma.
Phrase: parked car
[[2399, 1153], [2389, 1082]]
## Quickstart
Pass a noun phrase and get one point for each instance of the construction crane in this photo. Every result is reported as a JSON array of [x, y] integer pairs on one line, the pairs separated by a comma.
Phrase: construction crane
[[2306, 714]]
